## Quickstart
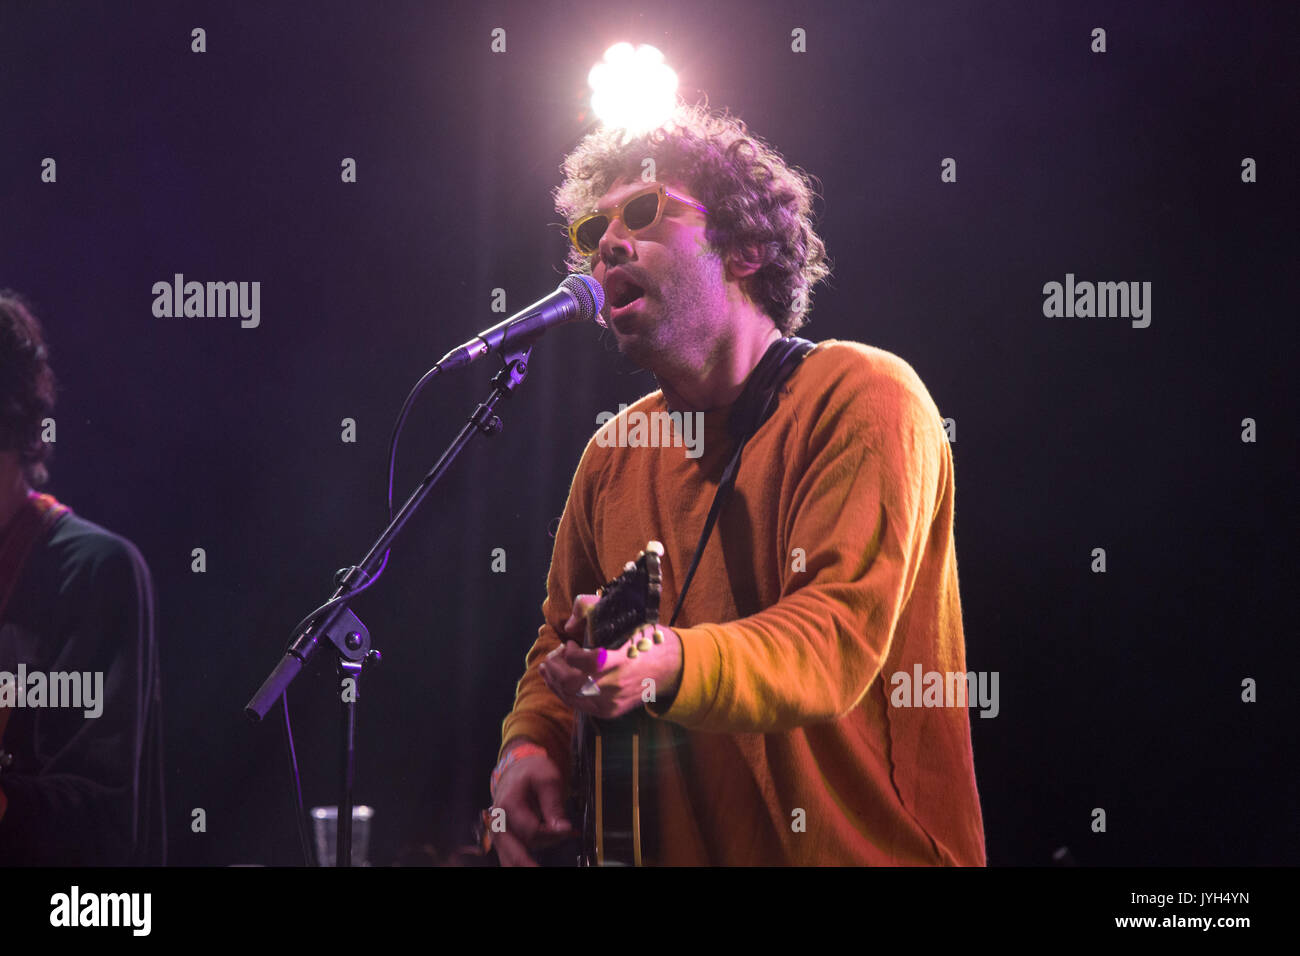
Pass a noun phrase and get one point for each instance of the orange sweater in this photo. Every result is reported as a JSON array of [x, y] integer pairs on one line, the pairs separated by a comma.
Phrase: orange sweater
[[785, 697]]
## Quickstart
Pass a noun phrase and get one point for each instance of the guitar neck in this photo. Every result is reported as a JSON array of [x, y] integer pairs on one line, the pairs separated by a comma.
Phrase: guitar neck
[[609, 766]]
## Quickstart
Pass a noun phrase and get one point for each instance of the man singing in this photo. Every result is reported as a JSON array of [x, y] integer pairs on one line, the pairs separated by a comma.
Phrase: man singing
[[776, 734]]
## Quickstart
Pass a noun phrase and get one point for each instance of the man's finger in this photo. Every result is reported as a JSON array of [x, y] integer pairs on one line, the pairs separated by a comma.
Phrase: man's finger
[[511, 851], [581, 605], [561, 678], [587, 660], [521, 821], [550, 801], [570, 671]]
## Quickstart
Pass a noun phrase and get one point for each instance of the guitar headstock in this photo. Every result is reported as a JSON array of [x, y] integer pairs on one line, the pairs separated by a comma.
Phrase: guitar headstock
[[628, 602]]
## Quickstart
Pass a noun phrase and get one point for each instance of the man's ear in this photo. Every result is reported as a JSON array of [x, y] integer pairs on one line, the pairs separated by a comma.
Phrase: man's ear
[[744, 262]]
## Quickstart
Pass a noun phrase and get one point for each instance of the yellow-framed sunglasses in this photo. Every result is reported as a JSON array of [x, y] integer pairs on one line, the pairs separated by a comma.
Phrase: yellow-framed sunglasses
[[639, 211]]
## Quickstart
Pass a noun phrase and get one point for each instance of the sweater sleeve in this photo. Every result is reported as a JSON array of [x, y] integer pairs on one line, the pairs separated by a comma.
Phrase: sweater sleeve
[[873, 473], [538, 714]]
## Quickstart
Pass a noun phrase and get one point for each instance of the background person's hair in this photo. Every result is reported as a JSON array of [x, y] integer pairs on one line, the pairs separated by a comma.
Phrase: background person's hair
[[754, 199], [26, 387]]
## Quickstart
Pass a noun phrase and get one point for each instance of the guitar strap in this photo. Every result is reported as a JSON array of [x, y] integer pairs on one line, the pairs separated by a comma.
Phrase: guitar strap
[[755, 405]]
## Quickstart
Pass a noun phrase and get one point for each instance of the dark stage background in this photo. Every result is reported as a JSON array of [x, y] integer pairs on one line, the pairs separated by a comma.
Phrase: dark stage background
[[1119, 690]]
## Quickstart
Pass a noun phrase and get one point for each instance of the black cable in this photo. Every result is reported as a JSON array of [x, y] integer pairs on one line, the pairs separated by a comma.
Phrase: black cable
[[288, 726], [303, 841]]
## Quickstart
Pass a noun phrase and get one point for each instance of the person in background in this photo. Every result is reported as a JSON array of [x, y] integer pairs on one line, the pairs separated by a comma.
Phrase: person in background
[[79, 785]]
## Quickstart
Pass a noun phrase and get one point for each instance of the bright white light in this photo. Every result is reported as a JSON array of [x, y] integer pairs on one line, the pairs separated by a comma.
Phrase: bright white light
[[632, 88]]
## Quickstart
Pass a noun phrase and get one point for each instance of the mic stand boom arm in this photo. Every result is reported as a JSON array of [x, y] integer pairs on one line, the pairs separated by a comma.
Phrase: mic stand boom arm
[[340, 627]]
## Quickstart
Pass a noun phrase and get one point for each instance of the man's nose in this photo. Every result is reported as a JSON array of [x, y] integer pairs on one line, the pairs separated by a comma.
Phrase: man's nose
[[616, 243]]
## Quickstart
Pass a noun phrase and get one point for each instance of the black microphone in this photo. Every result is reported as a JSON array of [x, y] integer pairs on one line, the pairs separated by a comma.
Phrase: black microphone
[[579, 297]]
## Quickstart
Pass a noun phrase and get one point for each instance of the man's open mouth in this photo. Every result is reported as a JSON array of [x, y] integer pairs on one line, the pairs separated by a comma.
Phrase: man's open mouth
[[626, 295], [621, 291]]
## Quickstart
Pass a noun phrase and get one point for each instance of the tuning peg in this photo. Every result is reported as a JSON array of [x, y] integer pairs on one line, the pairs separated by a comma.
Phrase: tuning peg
[[654, 547]]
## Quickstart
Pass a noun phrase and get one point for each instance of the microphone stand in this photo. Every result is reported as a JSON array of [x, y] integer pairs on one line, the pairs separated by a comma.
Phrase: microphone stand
[[336, 624]]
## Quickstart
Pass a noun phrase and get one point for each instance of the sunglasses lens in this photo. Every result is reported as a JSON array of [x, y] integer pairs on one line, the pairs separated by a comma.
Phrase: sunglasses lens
[[640, 212], [637, 214], [589, 233]]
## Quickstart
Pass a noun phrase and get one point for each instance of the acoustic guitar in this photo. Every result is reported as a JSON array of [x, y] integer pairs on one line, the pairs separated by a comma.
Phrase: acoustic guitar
[[608, 758]]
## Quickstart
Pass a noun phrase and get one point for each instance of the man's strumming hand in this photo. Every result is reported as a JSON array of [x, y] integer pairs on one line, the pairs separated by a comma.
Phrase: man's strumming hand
[[528, 787]]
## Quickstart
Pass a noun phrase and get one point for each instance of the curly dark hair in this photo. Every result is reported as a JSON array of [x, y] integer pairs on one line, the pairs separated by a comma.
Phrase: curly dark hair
[[754, 199], [26, 387]]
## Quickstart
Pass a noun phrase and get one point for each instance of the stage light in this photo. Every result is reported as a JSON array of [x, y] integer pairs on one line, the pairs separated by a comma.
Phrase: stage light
[[632, 88]]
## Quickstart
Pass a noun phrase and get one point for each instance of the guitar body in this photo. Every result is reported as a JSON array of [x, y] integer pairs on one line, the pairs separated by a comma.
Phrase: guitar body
[[609, 756], [609, 779]]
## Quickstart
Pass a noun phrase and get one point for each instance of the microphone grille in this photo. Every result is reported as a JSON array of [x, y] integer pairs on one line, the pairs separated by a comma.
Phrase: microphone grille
[[587, 292]]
